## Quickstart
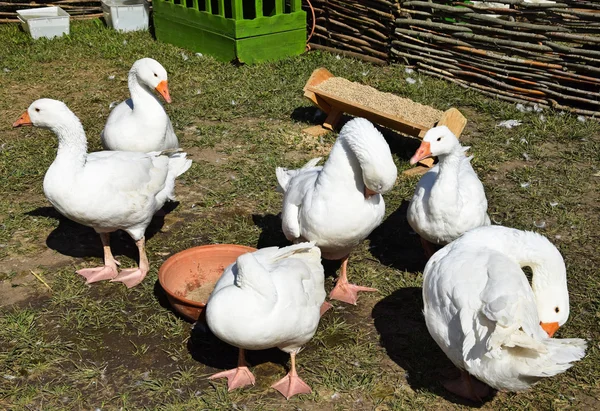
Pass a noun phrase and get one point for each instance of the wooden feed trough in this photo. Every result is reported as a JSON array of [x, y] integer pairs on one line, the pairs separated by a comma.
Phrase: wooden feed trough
[[422, 118]]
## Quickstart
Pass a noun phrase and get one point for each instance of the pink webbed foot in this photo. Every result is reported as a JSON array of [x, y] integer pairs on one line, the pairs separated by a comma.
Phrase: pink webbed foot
[[291, 385], [324, 307], [131, 276], [236, 378], [468, 387], [347, 292], [93, 275]]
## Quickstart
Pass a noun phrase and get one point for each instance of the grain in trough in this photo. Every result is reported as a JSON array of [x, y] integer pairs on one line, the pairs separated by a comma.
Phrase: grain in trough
[[336, 96]]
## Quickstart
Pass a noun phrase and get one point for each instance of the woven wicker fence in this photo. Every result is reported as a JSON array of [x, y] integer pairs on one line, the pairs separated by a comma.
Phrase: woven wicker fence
[[78, 9], [531, 51]]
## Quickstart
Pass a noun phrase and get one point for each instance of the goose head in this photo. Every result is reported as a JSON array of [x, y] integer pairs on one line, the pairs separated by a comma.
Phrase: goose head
[[379, 179], [45, 113], [152, 74], [553, 307], [436, 142], [373, 153]]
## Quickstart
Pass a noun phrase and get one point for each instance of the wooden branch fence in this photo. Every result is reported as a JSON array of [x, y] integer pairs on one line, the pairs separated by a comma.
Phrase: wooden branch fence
[[78, 9], [530, 52]]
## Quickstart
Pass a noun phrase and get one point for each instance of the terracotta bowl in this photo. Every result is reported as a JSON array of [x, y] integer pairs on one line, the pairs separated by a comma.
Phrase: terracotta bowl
[[196, 270]]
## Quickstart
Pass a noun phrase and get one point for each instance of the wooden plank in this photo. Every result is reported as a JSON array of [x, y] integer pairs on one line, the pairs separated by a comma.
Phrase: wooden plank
[[333, 119], [376, 116], [416, 171], [237, 9], [258, 5], [428, 162], [317, 77], [454, 120]]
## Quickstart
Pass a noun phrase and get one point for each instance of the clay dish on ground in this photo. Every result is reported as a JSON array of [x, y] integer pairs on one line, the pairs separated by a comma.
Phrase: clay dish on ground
[[189, 276]]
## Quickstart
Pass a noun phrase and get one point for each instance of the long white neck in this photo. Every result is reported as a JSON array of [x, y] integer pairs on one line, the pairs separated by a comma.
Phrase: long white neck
[[546, 263], [72, 144], [342, 168], [529, 249], [141, 95], [254, 278], [446, 183]]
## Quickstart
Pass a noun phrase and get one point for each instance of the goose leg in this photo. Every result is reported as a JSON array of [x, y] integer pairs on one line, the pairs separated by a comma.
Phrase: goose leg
[[343, 290], [237, 377], [108, 271], [133, 276], [468, 387], [324, 307], [291, 384]]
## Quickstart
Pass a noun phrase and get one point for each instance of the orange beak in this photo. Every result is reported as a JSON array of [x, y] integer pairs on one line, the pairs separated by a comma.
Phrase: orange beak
[[163, 89], [24, 120], [368, 192], [422, 153], [550, 328]]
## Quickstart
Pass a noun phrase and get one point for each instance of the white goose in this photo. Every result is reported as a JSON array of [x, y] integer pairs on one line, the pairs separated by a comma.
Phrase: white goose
[[339, 204], [482, 312], [449, 199], [141, 123], [269, 298], [106, 190]]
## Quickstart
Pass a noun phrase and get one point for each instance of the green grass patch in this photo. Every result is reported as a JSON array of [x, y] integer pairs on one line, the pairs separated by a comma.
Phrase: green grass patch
[[81, 347]]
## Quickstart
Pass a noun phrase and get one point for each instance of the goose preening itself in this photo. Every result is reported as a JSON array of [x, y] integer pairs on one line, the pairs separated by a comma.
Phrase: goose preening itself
[[481, 310], [106, 190], [339, 204], [140, 123], [269, 298], [449, 199]]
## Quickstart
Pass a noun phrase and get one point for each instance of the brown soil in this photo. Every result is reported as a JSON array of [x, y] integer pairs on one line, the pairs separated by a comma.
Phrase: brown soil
[[386, 102], [209, 155], [44, 257]]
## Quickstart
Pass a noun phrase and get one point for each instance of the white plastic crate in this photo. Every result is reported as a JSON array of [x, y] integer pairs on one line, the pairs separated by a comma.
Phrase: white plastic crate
[[126, 15], [44, 21]]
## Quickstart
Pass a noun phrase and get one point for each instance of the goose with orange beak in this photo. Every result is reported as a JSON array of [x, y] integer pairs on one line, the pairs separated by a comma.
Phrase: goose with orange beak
[[104, 190], [449, 199], [493, 325], [140, 123], [339, 204]]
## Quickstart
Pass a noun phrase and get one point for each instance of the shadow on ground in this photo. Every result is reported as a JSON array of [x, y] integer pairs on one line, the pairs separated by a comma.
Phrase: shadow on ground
[[76, 240], [207, 349], [399, 321], [271, 233], [395, 244], [310, 115]]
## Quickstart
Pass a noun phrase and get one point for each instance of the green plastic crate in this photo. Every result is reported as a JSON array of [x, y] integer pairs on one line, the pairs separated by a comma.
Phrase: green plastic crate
[[249, 31]]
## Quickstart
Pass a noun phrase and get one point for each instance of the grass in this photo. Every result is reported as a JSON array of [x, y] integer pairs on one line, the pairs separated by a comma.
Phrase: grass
[[80, 347]]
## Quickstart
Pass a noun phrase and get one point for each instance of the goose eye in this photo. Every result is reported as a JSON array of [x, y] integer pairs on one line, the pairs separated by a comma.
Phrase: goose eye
[[37, 109], [556, 310], [155, 75], [439, 138]]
